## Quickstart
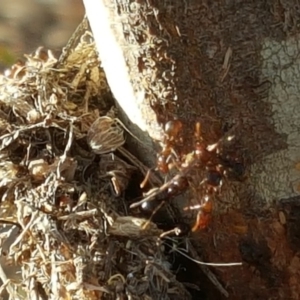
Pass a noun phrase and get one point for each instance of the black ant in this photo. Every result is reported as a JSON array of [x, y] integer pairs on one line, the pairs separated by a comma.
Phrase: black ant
[[159, 209]]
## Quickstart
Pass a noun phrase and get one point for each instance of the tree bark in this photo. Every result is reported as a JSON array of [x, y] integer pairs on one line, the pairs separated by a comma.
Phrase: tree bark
[[234, 67]]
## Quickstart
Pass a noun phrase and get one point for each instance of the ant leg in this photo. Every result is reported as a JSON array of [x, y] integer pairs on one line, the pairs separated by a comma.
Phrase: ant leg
[[153, 213], [146, 179], [202, 221], [226, 138], [203, 215]]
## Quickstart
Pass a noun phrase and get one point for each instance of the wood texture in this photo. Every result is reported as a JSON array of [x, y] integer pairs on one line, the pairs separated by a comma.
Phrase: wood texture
[[234, 67]]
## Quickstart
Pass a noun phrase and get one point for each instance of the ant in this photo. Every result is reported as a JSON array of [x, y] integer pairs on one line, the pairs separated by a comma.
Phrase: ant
[[216, 169], [165, 159], [172, 130], [207, 157]]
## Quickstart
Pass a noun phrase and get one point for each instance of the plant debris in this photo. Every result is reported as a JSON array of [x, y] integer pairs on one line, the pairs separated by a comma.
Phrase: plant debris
[[61, 185]]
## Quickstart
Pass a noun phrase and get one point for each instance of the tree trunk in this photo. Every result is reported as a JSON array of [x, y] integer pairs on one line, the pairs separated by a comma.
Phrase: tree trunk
[[233, 66]]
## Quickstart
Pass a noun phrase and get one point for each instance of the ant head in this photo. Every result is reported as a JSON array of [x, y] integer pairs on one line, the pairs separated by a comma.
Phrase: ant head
[[172, 129]]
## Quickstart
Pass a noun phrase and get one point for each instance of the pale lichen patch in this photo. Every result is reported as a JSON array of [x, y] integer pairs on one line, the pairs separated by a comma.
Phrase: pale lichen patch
[[275, 175]]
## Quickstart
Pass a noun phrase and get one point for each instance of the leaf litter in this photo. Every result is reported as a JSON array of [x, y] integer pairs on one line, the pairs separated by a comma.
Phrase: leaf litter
[[60, 182]]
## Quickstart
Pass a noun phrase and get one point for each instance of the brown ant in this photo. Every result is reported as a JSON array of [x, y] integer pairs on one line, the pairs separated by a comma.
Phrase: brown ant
[[172, 130], [206, 156], [165, 159], [209, 157]]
